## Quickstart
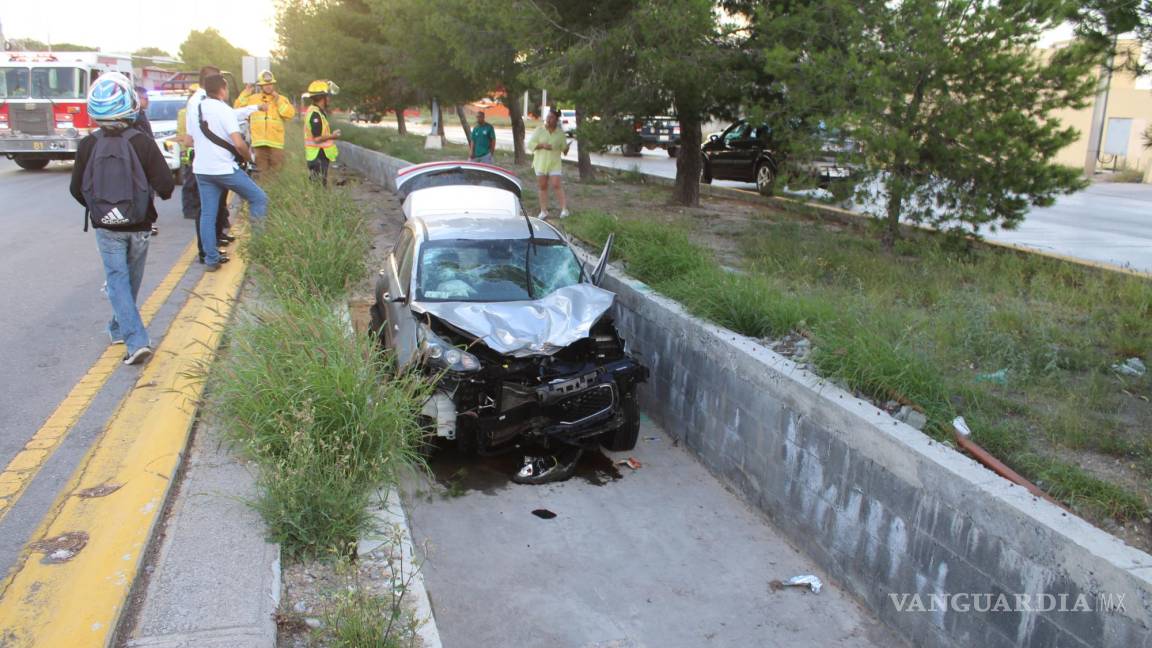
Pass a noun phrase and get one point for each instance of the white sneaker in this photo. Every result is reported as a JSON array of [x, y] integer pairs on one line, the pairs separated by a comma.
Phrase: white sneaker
[[564, 213], [542, 215], [141, 354]]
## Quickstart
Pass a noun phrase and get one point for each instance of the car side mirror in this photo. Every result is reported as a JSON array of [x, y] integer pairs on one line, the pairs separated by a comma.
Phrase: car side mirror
[[602, 263]]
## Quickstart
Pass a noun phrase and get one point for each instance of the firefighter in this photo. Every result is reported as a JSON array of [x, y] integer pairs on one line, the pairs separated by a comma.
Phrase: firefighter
[[266, 126], [319, 138]]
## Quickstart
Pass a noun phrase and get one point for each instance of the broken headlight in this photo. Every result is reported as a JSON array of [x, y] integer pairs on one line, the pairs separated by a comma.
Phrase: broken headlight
[[439, 354]]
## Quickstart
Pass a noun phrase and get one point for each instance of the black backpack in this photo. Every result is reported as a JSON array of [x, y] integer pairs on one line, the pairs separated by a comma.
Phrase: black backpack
[[114, 184]]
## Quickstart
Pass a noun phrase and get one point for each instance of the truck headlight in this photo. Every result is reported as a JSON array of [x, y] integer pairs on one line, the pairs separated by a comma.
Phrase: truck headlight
[[442, 355]]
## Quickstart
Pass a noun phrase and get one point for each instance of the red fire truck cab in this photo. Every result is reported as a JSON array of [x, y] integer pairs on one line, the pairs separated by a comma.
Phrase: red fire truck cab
[[43, 102]]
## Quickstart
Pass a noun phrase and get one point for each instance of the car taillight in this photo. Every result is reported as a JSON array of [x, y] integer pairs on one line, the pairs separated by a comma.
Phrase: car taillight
[[4, 116]]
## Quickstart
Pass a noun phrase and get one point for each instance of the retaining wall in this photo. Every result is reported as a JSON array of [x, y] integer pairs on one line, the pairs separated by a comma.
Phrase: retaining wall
[[886, 511]]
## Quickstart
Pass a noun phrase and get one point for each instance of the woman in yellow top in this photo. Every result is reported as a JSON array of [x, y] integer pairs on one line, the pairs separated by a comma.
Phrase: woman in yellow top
[[547, 144], [267, 124]]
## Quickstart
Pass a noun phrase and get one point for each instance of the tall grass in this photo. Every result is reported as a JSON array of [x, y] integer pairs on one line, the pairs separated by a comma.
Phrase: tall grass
[[314, 243]]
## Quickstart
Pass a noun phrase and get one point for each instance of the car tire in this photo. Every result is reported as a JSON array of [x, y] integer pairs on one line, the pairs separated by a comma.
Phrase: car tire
[[377, 322], [31, 164], [624, 437], [673, 151], [765, 178], [705, 172], [632, 149]]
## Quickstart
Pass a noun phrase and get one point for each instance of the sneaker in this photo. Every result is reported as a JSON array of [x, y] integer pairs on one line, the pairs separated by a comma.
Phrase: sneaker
[[564, 213], [550, 468], [543, 215], [226, 239], [224, 258], [114, 340], [139, 356]]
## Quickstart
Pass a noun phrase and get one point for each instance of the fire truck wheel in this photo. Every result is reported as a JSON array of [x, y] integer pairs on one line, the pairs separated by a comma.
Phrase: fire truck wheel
[[31, 164]]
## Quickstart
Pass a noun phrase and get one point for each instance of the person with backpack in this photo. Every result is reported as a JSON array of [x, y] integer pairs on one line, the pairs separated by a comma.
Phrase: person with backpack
[[117, 167], [222, 158]]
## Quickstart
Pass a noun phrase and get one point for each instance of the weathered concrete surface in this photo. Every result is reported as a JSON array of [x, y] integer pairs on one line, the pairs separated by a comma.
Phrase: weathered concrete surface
[[377, 166], [215, 581], [663, 557], [876, 503]]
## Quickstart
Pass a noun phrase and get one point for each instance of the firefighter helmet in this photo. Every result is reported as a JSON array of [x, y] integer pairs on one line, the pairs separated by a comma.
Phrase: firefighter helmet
[[266, 78], [322, 87], [112, 100]]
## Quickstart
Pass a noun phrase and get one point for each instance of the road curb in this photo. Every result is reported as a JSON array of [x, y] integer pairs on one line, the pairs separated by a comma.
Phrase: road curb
[[72, 588]]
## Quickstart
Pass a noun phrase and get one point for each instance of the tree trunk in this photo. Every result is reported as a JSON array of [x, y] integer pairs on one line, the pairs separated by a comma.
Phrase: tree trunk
[[464, 123], [514, 111], [401, 126], [895, 185], [687, 190], [583, 155], [440, 124]]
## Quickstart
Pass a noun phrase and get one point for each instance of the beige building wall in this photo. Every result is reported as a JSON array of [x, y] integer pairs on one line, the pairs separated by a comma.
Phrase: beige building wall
[[1128, 98]]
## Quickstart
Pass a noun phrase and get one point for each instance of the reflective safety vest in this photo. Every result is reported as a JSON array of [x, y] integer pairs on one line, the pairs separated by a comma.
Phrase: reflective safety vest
[[311, 146]]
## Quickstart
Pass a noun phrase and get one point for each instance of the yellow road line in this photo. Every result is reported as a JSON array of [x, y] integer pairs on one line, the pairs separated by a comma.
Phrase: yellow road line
[[27, 463], [72, 597]]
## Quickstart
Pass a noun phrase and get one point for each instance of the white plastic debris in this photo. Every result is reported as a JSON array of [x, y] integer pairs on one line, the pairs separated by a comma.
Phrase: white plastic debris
[[1130, 367], [805, 580]]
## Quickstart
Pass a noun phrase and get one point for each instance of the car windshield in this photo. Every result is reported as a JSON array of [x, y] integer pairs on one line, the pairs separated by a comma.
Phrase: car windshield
[[14, 82], [163, 110], [494, 271], [59, 83]]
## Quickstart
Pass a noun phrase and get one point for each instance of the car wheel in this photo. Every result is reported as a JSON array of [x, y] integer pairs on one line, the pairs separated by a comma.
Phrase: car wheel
[[624, 437], [705, 172], [377, 322], [632, 149], [31, 164], [673, 151], [765, 177]]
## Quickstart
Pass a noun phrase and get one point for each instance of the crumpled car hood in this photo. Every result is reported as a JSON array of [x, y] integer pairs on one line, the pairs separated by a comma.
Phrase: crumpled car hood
[[528, 328]]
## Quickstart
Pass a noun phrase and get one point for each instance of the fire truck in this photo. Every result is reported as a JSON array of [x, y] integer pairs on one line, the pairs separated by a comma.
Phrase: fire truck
[[43, 102]]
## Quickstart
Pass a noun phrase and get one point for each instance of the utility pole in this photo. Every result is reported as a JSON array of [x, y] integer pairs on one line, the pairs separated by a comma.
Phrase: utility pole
[[433, 140], [1099, 113]]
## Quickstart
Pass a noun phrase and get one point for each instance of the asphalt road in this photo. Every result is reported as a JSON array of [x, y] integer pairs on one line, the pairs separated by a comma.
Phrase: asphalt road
[[52, 324], [1108, 222]]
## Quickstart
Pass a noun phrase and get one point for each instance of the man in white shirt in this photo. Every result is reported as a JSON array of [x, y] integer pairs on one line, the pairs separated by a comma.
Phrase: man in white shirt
[[216, 164]]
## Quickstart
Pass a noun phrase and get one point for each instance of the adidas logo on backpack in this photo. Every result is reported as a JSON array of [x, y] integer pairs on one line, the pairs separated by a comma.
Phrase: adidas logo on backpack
[[114, 218]]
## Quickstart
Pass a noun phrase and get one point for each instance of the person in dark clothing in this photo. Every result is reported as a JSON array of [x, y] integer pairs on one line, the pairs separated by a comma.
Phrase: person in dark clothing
[[144, 126], [113, 104]]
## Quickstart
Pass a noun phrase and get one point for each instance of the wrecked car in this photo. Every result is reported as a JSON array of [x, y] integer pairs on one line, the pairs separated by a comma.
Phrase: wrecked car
[[496, 307]]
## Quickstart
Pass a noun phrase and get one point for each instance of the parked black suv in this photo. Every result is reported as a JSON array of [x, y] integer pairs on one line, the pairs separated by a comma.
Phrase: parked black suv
[[747, 153]]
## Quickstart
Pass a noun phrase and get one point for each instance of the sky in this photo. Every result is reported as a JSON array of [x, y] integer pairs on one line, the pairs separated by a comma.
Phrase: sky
[[250, 24]]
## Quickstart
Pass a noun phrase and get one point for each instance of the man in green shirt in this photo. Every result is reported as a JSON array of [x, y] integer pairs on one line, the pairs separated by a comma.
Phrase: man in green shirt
[[483, 141]]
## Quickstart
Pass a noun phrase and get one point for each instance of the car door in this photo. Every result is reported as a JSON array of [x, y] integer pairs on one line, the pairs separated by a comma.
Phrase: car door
[[725, 155], [401, 332]]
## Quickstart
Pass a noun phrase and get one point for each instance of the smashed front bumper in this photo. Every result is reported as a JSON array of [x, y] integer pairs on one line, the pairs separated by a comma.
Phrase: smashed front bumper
[[565, 409]]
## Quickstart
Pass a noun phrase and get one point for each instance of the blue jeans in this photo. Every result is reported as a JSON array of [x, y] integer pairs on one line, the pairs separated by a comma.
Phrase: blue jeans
[[124, 254], [212, 187], [486, 158]]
